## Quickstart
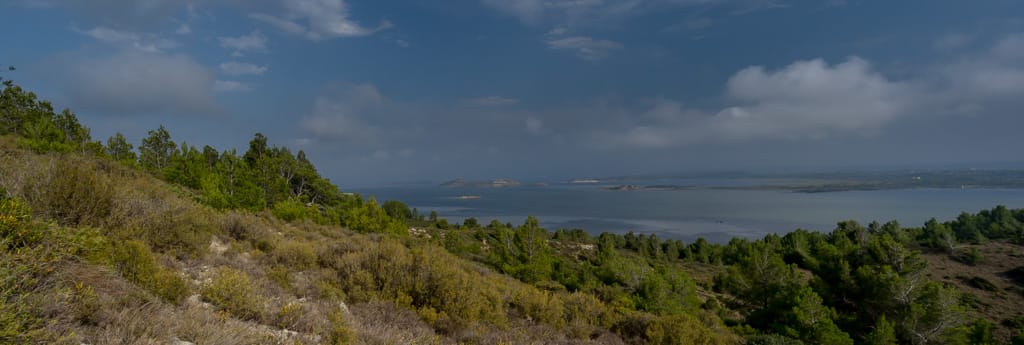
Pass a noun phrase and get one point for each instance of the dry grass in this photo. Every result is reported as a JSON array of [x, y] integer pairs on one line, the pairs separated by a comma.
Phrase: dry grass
[[1007, 298]]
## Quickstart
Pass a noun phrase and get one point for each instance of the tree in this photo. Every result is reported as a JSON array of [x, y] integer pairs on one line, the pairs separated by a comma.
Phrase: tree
[[934, 314], [120, 150], [397, 210], [156, 150], [812, 322], [883, 334], [761, 278], [939, 236]]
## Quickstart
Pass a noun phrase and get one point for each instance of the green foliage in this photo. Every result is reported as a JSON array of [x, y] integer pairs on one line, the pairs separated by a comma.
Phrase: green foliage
[[339, 333], [16, 229], [120, 150], [369, 217], [295, 255], [292, 209], [972, 257], [397, 209], [884, 333], [72, 192], [156, 150], [233, 291], [19, 319], [979, 332], [539, 305], [135, 262]]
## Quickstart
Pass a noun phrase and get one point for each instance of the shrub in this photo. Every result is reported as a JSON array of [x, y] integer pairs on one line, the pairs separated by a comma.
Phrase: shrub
[[233, 291], [16, 229], [19, 321], [135, 262], [168, 222], [585, 313], [295, 255], [542, 306], [71, 192], [339, 332], [292, 209]]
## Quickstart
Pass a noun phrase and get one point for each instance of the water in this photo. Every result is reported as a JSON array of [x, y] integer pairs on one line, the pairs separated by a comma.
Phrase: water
[[715, 214]]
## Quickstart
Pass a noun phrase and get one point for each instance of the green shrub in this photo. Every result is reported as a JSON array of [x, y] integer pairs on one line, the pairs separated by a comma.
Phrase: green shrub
[[339, 332], [542, 306], [73, 192], [233, 291], [290, 210], [19, 320], [168, 222], [295, 255], [135, 262], [16, 229]]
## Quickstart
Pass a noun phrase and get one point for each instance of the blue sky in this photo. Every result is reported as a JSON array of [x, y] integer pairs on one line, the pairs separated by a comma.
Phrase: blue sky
[[385, 91]]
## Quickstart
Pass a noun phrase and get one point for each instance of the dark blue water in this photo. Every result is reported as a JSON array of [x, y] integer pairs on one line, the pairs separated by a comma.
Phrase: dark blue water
[[715, 214]]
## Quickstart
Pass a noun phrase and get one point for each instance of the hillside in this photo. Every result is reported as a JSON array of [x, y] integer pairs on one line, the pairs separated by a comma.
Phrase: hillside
[[101, 243]]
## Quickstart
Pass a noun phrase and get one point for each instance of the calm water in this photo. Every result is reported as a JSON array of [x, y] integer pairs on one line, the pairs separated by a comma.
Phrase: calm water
[[686, 214]]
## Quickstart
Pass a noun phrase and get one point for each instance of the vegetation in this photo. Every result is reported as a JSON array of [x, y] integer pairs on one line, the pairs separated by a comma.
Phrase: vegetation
[[103, 244]]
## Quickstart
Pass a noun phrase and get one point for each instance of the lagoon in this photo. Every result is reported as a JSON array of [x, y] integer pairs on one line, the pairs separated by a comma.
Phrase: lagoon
[[713, 213]]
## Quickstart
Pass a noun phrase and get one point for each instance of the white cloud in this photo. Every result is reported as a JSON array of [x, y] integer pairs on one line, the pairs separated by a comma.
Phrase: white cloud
[[230, 86], [805, 100], [493, 101], [811, 99], [240, 68], [992, 79], [184, 29], [254, 41], [144, 42], [318, 19], [585, 48], [341, 115], [534, 125], [133, 83]]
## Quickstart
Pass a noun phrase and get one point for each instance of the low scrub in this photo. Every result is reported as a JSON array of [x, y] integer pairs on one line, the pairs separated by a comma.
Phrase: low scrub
[[234, 292]]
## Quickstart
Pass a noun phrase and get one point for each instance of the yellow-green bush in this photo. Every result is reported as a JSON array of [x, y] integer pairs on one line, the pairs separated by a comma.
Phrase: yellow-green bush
[[295, 255], [233, 291], [69, 190], [541, 306], [134, 261], [168, 222], [584, 314], [19, 319], [16, 229], [442, 283], [683, 329], [339, 332]]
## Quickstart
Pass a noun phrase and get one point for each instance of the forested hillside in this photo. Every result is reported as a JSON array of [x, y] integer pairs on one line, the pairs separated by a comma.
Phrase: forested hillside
[[105, 242]]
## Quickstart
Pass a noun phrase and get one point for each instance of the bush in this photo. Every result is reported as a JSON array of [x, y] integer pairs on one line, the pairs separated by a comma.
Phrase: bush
[[168, 222], [339, 333], [542, 306], [234, 292], [135, 262], [16, 229], [295, 255], [292, 209], [72, 192]]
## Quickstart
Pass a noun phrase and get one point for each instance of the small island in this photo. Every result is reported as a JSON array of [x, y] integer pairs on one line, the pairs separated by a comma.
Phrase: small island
[[496, 183]]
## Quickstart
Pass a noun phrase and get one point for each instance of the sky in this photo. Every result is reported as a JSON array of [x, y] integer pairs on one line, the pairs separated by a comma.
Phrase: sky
[[388, 91]]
